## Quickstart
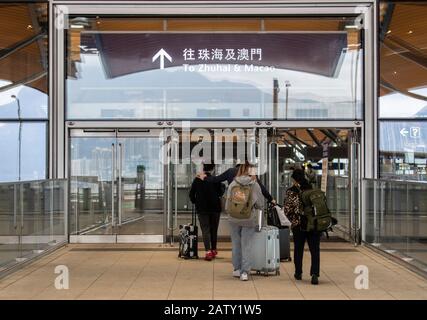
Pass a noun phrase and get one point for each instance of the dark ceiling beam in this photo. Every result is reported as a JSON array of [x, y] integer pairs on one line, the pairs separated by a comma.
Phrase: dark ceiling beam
[[328, 134], [32, 7], [313, 136], [6, 52], [406, 50], [297, 139], [389, 86], [25, 81], [386, 21]]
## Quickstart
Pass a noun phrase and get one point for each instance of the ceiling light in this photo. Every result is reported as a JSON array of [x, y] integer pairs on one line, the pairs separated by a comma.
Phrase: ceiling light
[[389, 31], [410, 32]]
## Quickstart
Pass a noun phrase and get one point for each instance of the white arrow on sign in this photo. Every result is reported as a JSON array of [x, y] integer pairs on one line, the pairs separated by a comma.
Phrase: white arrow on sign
[[162, 54], [404, 132]]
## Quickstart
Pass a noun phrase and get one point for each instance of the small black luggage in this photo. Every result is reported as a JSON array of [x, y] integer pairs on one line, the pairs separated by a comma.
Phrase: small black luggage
[[188, 242], [285, 246]]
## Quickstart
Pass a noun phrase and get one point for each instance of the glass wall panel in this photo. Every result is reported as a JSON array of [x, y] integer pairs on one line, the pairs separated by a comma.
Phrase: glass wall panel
[[23, 151], [403, 150], [23, 61], [214, 68], [23, 90], [403, 66]]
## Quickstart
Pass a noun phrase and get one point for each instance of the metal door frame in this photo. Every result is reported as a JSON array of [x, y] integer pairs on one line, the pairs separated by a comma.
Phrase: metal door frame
[[355, 143], [58, 126]]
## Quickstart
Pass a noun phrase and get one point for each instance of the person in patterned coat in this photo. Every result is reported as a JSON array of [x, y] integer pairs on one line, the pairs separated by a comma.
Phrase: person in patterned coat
[[293, 208]]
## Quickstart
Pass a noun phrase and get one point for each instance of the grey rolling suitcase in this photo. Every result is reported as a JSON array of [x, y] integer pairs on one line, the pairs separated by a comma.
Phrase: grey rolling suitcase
[[265, 256], [285, 245]]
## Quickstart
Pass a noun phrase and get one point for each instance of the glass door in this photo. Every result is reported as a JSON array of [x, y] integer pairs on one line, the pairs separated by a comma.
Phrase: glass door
[[116, 186], [140, 187], [93, 184]]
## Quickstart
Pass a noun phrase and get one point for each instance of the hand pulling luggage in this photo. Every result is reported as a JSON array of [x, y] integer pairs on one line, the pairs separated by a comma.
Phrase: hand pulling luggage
[[276, 217], [188, 244], [265, 255], [285, 245]]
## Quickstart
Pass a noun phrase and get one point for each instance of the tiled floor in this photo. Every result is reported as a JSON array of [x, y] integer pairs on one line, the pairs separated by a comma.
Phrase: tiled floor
[[150, 272]]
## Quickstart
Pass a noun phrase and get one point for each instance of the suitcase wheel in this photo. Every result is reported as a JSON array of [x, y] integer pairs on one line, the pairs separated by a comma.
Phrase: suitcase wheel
[[258, 272]]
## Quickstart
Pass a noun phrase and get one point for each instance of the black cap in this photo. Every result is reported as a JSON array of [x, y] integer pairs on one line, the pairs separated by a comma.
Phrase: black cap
[[299, 176]]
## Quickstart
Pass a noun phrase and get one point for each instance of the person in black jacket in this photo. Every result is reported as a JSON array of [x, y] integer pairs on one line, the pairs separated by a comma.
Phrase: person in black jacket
[[207, 198], [229, 176]]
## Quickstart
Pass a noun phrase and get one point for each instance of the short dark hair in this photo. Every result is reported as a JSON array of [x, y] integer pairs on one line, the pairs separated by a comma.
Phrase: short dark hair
[[207, 167], [299, 176]]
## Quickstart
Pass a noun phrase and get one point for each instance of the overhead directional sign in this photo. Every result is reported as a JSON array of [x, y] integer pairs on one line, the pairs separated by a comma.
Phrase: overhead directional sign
[[413, 132], [127, 53], [404, 132], [162, 54]]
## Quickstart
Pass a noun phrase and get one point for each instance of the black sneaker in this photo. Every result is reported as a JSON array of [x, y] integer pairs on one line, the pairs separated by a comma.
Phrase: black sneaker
[[314, 280], [297, 276]]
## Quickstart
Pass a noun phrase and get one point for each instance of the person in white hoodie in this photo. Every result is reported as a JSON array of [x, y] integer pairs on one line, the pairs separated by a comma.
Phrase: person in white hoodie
[[243, 230]]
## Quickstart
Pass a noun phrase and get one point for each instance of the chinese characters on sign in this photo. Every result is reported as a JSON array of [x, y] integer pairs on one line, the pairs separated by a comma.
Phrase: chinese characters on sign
[[217, 54], [224, 60]]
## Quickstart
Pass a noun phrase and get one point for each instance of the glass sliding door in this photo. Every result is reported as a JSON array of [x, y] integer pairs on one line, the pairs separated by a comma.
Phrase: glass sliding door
[[140, 188], [116, 186], [92, 183]]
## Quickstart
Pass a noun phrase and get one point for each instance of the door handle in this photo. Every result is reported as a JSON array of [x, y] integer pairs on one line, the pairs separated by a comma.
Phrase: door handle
[[168, 181], [175, 224], [270, 147], [277, 172], [113, 179], [355, 172], [120, 190], [172, 192], [270, 170]]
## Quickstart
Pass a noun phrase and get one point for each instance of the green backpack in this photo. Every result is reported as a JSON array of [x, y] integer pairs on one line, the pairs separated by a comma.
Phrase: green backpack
[[317, 216], [239, 202]]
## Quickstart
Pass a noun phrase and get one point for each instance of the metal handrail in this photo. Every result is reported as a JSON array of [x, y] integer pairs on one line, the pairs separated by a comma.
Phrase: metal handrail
[[29, 181], [396, 180]]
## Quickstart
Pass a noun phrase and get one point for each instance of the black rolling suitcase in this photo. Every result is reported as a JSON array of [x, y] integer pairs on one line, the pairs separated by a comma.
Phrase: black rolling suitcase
[[188, 239], [285, 245], [273, 219]]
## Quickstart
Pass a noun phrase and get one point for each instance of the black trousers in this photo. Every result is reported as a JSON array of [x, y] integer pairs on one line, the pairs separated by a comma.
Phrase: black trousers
[[313, 239], [209, 223]]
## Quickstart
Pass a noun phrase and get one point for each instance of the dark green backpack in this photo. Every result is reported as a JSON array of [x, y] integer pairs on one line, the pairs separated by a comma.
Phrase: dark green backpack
[[317, 216]]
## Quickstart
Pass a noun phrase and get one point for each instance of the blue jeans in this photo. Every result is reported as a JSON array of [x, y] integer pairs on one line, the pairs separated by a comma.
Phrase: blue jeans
[[241, 240]]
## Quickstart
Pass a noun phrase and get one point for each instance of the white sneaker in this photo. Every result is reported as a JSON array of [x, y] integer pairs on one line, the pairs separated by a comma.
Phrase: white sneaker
[[244, 276], [236, 273]]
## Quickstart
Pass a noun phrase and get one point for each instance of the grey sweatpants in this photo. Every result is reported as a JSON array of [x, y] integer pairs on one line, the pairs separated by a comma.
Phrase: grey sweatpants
[[241, 241]]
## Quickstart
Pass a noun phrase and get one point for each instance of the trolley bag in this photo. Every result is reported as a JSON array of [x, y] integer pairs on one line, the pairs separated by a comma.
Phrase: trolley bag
[[188, 242], [273, 217], [265, 253], [285, 244]]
